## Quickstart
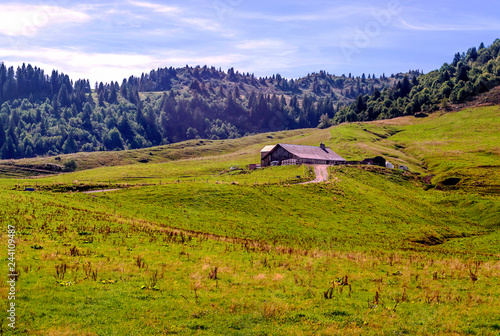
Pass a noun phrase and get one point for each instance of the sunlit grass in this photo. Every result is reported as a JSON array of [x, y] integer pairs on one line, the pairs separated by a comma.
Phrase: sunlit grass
[[191, 246], [258, 288]]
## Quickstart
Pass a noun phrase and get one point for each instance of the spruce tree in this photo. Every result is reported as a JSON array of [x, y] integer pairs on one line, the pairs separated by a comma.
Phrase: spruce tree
[[123, 89], [112, 98], [462, 73], [10, 147], [2, 135], [70, 145], [63, 97], [405, 87]]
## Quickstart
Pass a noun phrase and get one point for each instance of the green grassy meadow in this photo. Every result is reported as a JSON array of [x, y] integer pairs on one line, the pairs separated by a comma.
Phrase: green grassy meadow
[[187, 246]]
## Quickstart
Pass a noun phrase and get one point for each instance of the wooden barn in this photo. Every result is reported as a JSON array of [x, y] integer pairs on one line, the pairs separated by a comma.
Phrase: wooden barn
[[284, 154]]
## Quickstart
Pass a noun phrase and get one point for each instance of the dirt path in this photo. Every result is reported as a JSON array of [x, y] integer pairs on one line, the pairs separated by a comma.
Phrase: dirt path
[[321, 172], [98, 191]]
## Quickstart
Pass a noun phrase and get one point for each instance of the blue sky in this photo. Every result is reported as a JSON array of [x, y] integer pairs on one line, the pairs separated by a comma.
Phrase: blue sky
[[110, 40]]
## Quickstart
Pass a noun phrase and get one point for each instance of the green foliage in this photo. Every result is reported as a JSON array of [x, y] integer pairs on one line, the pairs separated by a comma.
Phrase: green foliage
[[166, 105], [70, 165]]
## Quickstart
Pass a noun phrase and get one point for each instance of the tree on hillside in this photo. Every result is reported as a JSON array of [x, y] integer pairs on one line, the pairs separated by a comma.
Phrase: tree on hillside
[[125, 129], [112, 98], [471, 55], [70, 145], [10, 146], [462, 72], [113, 140], [2, 135], [405, 87]]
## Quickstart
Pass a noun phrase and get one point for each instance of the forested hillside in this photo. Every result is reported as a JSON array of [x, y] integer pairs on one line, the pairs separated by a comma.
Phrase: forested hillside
[[43, 114], [468, 75], [49, 115]]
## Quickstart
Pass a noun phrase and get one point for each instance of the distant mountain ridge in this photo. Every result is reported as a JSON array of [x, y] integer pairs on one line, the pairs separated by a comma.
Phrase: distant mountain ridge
[[50, 115]]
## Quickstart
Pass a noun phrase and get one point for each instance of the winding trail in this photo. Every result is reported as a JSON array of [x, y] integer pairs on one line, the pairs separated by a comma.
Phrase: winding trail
[[98, 191]]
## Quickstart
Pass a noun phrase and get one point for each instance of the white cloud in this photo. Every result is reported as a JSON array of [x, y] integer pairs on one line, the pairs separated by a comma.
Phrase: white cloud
[[329, 14], [270, 48], [107, 67], [155, 7], [27, 20], [177, 16], [260, 44], [202, 24], [479, 25], [77, 64]]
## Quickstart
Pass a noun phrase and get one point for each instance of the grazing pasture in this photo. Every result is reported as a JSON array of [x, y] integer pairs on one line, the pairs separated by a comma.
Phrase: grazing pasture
[[188, 246]]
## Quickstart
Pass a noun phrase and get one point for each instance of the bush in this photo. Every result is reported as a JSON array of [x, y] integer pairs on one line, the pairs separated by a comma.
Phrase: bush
[[70, 165]]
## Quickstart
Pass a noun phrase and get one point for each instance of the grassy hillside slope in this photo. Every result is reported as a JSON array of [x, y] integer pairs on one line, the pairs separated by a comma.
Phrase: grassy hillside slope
[[459, 144], [188, 246]]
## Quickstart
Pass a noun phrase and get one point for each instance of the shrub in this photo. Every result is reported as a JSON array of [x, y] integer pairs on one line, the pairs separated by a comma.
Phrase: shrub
[[70, 165]]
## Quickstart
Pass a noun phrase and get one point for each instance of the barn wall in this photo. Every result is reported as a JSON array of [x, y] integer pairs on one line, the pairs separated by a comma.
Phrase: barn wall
[[278, 154]]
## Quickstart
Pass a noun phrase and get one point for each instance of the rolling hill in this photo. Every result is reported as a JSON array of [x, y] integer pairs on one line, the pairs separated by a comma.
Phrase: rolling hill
[[189, 246], [182, 238]]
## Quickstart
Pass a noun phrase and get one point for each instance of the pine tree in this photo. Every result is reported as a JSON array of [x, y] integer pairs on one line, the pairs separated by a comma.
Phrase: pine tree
[[456, 59], [283, 101], [471, 54], [236, 93], [3, 79], [100, 98], [125, 129], [70, 145], [414, 81], [123, 88], [63, 97], [10, 86], [10, 147], [360, 104], [112, 98], [462, 72], [195, 86], [114, 140], [405, 87], [86, 117], [2, 135]]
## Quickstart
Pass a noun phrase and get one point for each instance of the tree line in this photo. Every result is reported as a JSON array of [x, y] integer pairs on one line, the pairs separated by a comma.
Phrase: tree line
[[50, 114]]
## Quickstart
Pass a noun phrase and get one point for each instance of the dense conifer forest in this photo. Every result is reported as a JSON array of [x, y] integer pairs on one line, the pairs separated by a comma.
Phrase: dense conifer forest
[[45, 114]]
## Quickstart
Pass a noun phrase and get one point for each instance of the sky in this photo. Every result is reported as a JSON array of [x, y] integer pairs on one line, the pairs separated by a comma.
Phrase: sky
[[111, 40]]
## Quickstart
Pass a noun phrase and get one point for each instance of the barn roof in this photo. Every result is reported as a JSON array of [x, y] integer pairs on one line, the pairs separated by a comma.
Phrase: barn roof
[[312, 152], [268, 148]]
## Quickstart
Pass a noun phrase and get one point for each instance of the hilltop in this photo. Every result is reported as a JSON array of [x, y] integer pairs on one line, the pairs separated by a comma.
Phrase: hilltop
[[49, 115]]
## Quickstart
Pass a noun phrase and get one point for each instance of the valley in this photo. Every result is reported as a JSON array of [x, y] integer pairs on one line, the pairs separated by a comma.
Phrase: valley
[[189, 246]]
